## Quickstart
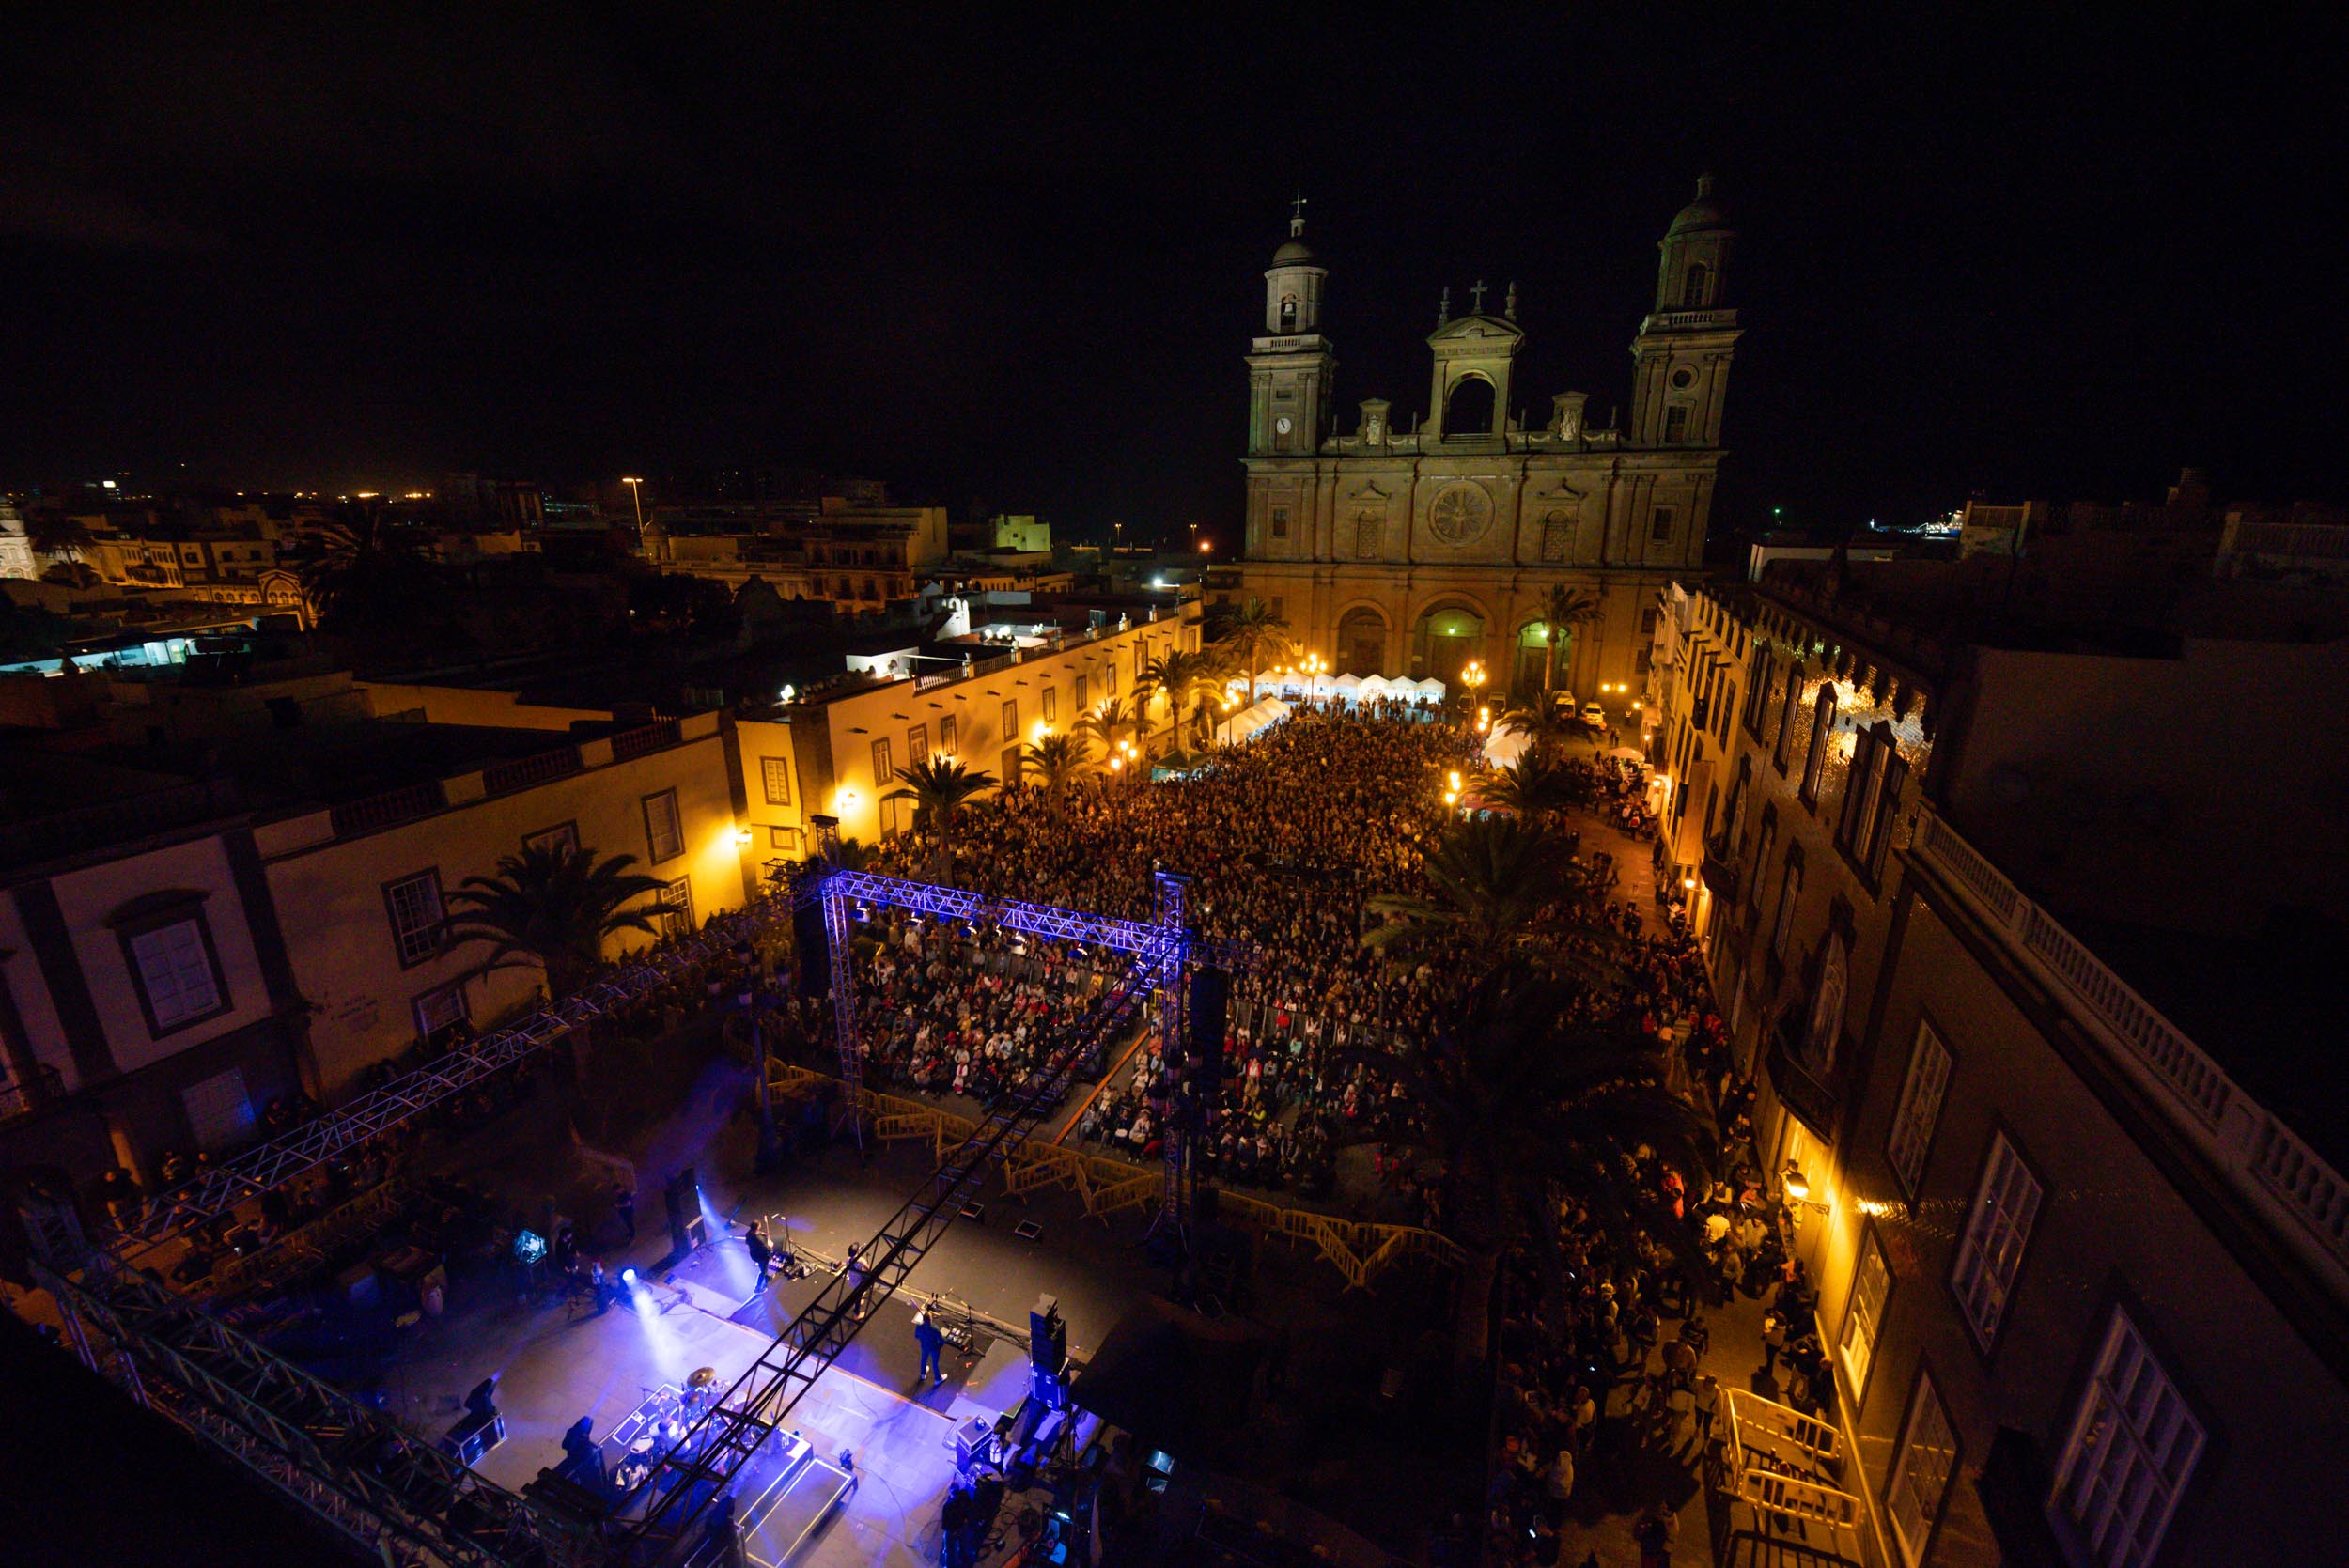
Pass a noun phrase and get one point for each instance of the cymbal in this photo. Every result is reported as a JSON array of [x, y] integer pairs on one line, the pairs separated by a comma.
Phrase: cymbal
[[702, 1379]]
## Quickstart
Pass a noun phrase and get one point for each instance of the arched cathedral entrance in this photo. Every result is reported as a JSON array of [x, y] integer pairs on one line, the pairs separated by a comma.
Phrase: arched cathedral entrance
[[1446, 637]]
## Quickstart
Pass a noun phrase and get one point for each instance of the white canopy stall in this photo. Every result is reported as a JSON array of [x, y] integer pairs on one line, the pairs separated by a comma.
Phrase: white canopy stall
[[1252, 721]]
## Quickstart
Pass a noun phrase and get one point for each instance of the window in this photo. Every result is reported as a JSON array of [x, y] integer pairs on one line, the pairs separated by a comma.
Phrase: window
[[1009, 765], [918, 744], [1872, 1282], [180, 980], [218, 1113], [1052, 704], [1922, 1471], [1676, 423], [1888, 808], [1822, 735], [883, 771], [1011, 721], [1785, 746], [946, 735], [441, 1010], [1279, 610], [787, 838], [1659, 526], [1289, 313], [1692, 288], [664, 836], [1919, 1108], [414, 904], [1557, 536], [563, 839], [1647, 620], [892, 817], [1279, 522], [673, 908], [776, 773], [1789, 895], [1992, 1247], [1873, 755], [1080, 694], [2132, 1449], [1757, 692]]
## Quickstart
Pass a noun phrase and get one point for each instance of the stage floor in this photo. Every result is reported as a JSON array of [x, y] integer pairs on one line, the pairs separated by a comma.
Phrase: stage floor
[[900, 1439]]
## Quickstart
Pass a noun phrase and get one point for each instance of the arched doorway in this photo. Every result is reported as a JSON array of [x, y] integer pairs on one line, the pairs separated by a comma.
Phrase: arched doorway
[[1446, 637], [1362, 643], [1468, 408], [1532, 647]]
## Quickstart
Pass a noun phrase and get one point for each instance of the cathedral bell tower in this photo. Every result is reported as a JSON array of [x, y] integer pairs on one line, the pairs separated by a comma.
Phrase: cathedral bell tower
[[1680, 359], [1290, 367]]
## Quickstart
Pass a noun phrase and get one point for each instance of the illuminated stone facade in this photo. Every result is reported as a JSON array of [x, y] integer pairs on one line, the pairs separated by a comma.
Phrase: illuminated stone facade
[[1407, 551]]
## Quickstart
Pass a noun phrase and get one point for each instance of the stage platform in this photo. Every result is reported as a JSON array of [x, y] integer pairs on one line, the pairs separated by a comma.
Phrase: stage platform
[[881, 1452]]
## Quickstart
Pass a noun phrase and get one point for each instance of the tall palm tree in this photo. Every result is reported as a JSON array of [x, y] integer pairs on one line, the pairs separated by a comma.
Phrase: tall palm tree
[[1563, 610], [553, 905], [939, 788], [1536, 786], [368, 575], [1547, 730], [1060, 761], [1520, 1108], [1254, 636], [1111, 715], [1180, 675], [1494, 883]]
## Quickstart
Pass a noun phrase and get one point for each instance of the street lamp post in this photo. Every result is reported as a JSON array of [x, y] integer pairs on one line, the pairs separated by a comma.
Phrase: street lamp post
[[636, 491], [1472, 676]]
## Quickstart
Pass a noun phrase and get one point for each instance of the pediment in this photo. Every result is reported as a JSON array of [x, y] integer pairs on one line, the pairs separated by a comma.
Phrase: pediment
[[1368, 490], [1561, 490], [1475, 329]]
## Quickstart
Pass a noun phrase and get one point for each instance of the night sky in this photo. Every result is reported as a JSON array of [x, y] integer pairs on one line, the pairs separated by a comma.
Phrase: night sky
[[1019, 268]]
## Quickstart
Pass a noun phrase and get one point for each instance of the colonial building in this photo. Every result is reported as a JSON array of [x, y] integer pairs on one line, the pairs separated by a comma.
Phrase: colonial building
[[1408, 546], [1990, 891]]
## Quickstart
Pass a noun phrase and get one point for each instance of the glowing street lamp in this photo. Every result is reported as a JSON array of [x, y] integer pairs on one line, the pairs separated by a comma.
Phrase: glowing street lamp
[[636, 489]]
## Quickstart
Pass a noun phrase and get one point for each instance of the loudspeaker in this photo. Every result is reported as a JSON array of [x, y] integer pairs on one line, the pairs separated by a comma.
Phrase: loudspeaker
[[1211, 1004], [810, 948]]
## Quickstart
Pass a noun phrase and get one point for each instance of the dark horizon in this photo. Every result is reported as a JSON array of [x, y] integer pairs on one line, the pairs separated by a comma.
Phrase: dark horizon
[[2051, 258]]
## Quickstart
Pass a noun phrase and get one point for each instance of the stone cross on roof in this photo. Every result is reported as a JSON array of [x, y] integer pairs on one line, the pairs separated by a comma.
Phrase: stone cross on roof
[[1478, 308]]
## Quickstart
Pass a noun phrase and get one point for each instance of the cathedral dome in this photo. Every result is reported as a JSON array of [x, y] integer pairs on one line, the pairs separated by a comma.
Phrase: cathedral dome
[[1296, 253], [1706, 212]]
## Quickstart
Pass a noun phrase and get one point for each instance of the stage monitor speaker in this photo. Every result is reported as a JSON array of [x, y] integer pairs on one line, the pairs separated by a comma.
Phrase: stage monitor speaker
[[810, 948], [1047, 1335], [1210, 1003]]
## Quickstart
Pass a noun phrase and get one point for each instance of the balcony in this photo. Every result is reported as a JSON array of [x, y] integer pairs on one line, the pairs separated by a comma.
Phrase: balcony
[[19, 1097], [2252, 1148], [1719, 869]]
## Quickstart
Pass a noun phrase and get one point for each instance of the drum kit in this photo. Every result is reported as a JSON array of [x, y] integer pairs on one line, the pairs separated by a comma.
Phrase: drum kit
[[662, 1423]]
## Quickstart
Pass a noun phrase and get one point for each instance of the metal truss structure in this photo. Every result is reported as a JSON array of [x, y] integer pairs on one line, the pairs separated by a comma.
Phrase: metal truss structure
[[389, 1492], [217, 1192], [397, 1495], [664, 1511]]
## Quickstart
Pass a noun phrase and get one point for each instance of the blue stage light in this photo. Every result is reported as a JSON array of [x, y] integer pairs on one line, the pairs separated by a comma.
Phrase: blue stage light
[[627, 1277]]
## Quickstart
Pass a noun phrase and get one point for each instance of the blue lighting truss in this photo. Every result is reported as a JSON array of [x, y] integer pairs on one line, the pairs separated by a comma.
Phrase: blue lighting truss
[[658, 1522], [218, 1191]]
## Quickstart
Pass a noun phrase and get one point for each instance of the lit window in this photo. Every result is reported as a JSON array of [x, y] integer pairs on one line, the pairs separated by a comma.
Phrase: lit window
[[776, 772], [1822, 732], [2132, 1449], [1919, 1108], [1992, 1249], [665, 834], [784, 838], [946, 734], [1011, 720], [414, 904], [918, 744], [1080, 694], [1872, 1282], [1052, 704], [441, 1010], [1922, 1471], [676, 907], [176, 972]]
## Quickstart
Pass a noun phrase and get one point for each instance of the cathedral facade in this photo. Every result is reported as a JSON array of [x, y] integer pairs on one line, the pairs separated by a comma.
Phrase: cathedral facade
[[1412, 549]]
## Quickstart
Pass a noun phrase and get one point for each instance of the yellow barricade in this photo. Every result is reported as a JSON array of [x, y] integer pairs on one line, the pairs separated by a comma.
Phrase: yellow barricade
[[1105, 1185]]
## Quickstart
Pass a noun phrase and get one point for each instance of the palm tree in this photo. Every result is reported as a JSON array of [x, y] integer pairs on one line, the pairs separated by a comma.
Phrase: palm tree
[[1179, 674], [1535, 786], [1545, 729], [1060, 761], [939, 787], [1563, 610], [1254, 636], [553, 905], [1520, 1108], [367, 576], [1104, 721], [1494, 883]]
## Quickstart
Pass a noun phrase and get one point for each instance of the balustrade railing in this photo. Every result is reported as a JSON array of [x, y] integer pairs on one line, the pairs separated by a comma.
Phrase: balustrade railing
[[523, 772], [2264, 1157], [638, 742], [404, 804]]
